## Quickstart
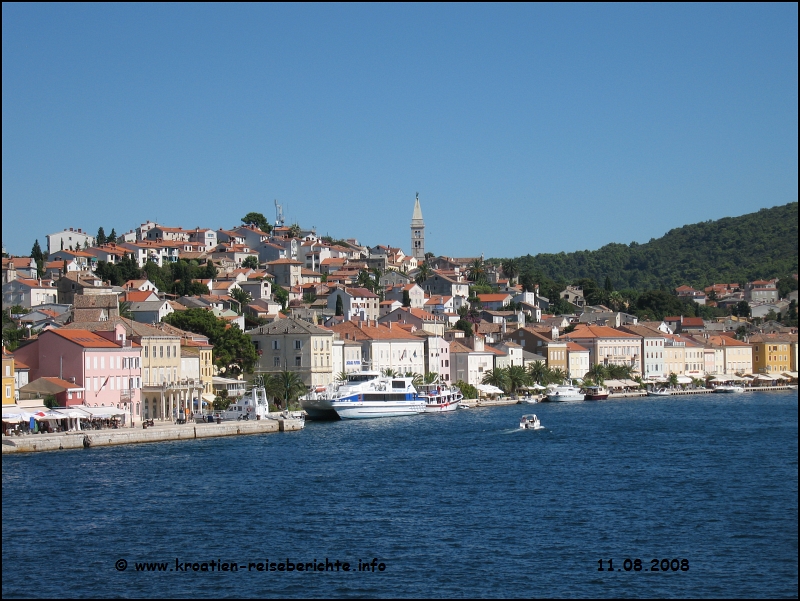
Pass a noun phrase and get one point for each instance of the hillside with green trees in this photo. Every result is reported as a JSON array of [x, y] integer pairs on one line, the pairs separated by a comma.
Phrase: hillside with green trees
[[733, 249]]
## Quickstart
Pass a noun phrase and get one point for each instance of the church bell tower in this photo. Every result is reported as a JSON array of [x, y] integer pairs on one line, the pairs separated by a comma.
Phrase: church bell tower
[[417, 232]]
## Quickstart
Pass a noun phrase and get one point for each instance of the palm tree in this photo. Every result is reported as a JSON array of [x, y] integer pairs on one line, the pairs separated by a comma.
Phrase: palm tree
[[616, 300], [597, 373], [341, 376], [511, 269], [125, 310], [517, 377], [365, 280], [286, 386], [416, 379], [497, 377], [538, 372], [430, 377], [672, 380], [389, 372], [558, 375], [476, 272], [376, 285], [294, 230], [424, 273]]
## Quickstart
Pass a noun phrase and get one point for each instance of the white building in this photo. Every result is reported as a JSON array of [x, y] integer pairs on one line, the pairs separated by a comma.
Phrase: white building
[[68, 239]]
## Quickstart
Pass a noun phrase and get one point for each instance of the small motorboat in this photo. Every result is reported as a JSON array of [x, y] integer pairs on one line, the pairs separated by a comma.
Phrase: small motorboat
[[659, 392], [530, 422]]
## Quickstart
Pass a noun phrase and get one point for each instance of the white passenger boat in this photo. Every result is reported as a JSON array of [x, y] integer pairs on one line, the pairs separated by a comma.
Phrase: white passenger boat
[[365, 395], [564, 394], [729, 389], [439, 399], [530, 422]]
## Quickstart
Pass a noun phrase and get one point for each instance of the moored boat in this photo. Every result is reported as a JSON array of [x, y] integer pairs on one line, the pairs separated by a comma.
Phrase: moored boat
[[439, 399], [729, 389], [564, 394], [659, 392], [365, 395], [595, 393], [253, 405]]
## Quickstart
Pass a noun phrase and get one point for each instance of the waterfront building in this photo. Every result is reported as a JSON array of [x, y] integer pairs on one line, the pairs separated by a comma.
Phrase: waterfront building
[[608, 346], [653, 344], [469, 360], [577, 360], [9, 384], [106, 364], [385, 346], [437, 354], [737, 356], [772, 353], [295, 345]]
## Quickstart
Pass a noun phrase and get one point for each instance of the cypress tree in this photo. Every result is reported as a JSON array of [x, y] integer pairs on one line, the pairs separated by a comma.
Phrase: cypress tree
[[339, 305], [101, 236]]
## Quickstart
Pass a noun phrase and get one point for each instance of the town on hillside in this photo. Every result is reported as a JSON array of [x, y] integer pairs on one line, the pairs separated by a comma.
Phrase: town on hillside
[[166, 321]]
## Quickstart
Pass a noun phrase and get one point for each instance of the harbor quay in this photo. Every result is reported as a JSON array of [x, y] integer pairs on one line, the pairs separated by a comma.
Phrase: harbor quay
[[160, 433]]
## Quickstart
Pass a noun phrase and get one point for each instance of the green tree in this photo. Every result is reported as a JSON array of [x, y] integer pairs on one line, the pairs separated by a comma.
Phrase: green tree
[[742, 309], [294, 230], [281, 296], [339, 305], [258, 220], [242, 297], [464, 326], [406, 298], [234, 351], [468, 390], [511, 269], [250, 262], [101, 236], [597, 373], [125, 310], [672, 380], [112, 237]]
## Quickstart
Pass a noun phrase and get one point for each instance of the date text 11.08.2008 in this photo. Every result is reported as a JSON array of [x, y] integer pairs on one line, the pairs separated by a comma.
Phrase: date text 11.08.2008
[[656, 565]]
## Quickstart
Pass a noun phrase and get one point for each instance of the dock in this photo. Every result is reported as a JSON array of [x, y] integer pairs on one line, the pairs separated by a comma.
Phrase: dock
[[86, 439]]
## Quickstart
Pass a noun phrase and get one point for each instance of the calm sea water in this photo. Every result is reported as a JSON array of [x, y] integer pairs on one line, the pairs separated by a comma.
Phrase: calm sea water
[[458, 505]]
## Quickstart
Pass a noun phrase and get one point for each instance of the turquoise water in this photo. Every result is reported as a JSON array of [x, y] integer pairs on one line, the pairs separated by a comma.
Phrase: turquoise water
[[458, 505]]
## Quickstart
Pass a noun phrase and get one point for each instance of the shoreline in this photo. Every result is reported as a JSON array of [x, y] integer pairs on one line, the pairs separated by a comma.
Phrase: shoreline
[[86, 439]]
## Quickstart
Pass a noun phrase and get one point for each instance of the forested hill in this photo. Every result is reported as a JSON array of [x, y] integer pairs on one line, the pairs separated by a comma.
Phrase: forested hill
[[733, 249]]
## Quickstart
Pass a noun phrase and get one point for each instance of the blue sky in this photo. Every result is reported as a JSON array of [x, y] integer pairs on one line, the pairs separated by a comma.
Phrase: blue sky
[[524, 129]]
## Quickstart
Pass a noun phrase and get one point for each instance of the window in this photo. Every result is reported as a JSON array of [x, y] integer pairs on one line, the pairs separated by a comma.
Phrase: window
[[161, 351], [276, 345], [95, 363], [145, 351], [168, 350], [298, 361], [88, 363], [298, 344], [277, 361]]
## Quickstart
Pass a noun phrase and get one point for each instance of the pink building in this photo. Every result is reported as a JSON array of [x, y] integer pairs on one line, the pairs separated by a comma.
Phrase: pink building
[[106, 364]]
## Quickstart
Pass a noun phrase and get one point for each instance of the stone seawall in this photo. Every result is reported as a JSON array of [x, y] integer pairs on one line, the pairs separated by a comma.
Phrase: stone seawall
[[102, 438]]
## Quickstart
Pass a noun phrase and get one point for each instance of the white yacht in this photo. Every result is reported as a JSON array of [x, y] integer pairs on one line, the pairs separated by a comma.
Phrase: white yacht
[[365, 394], [252, 405], [564, 394]]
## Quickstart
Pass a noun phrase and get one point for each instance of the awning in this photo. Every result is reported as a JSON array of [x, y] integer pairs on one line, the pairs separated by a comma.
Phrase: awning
[[48, 415], [208, 398], [614, 384], [631, 383], [489, 389], [684, 380], [16, 416], [791, 374], [102, 412]]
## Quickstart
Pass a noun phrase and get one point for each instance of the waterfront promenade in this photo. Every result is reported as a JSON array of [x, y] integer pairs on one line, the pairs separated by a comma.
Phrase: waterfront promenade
[[158, 433]]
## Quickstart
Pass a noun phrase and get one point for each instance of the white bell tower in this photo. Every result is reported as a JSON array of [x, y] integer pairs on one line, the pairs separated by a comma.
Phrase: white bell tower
[[417, 232]]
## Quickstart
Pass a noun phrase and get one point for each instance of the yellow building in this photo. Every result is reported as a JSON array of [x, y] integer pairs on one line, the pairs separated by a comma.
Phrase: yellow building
[[772, 354], [9, 395]]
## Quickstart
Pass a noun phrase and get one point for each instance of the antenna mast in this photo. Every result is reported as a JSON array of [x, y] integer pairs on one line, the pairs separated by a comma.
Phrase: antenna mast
[[278, 214]]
